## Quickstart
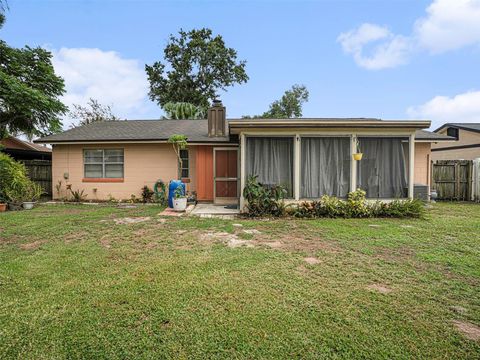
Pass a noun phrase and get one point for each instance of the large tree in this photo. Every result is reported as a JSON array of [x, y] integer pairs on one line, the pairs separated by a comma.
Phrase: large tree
[[92, 112], [196, 65], [290, 105], [29, 91], [182, 110]]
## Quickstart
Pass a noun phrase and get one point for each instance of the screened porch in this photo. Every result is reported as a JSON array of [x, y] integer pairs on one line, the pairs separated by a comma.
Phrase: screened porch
[[310, 166]]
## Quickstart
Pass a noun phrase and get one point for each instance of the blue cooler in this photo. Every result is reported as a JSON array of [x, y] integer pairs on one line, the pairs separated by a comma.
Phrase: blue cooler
[[174, 184]]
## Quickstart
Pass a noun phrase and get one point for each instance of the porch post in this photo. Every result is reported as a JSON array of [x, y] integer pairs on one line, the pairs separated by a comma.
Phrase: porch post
[[242, 170], [353, 163], [411, 165], [296, 173]]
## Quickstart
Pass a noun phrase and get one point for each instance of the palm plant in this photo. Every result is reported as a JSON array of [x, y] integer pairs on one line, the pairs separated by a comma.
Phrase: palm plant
[[183, 110]]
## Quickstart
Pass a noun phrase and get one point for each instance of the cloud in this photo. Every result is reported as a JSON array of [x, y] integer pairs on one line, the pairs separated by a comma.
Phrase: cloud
[[448, 25], [392, 51], [441, 109], [102, 75]]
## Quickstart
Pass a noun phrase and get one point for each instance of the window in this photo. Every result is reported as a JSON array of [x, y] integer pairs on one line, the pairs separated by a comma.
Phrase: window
[[325, 166], [271, 159], [184, 173], [382, 172], [103, 163], [452, 132]]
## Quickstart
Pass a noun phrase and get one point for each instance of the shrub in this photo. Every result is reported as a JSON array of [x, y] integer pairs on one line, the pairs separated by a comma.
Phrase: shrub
[[263, 200], [147, 194], [78, 195], [400, 209], [15, 186]]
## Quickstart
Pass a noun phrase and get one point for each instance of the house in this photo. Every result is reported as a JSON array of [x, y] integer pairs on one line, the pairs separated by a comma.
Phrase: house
[[310, 157], [24, 150], [466, 146]]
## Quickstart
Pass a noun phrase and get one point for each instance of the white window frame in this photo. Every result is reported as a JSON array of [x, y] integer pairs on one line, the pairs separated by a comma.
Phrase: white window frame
[[183, 167], [103, 163]]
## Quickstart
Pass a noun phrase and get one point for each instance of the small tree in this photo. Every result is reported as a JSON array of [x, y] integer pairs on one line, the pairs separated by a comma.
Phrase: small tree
[[289, 106], [93, 112], [179, 142]]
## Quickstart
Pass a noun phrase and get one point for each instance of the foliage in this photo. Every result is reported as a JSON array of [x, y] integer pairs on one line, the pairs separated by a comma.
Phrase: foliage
[[15, 186], [289, 106], [160, 190], [179, 142], [183, 110], [147, 194], [29, 91], [179, 193], [263, 200], [3, 8], [356, 206], [196, 66], [78, 195], [92, 112]]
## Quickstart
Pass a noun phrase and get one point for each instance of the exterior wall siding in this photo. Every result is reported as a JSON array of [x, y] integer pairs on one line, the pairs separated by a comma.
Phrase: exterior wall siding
[[144, 164], [422, 163], [464, 138]]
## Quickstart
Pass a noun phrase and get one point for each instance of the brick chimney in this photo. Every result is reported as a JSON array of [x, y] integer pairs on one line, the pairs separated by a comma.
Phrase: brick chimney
[[216, 116]]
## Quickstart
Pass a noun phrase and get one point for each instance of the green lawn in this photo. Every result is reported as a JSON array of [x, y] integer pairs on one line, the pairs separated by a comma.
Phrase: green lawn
[[73, 284]]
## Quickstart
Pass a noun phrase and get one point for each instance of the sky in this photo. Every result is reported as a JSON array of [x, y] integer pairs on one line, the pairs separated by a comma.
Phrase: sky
[[391, 59]]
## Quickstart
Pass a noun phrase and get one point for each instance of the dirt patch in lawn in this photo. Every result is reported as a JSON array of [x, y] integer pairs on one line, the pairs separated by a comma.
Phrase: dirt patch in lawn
[[31, 246], [312, 260], [131, 220], [380, 288], [469, 330]]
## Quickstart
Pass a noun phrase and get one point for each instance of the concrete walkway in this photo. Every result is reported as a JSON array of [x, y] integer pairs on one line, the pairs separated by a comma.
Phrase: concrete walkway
[[217, 211]]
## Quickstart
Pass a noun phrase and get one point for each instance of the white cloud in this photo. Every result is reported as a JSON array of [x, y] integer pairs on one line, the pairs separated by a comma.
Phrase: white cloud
[[392, 51], [102, 75], [448, 25], [441, 109]]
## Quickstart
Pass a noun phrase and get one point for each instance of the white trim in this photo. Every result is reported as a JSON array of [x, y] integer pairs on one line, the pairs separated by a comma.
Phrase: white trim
[[242, 170], [353, 163], [296, 166], [411, 165]]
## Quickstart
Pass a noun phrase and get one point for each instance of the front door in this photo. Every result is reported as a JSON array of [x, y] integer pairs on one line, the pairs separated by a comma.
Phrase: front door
[[225, 176]]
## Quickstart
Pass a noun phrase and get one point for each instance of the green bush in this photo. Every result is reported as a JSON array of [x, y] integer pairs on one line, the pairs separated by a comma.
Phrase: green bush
[[147, 194], [15, 186], [263, 200]]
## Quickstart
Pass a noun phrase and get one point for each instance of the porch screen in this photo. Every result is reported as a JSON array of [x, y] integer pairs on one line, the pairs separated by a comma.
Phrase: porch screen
[[325, 166], [382, 171], [271, 158]]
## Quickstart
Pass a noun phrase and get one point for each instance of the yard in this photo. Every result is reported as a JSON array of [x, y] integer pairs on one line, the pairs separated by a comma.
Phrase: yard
[[87, 282]]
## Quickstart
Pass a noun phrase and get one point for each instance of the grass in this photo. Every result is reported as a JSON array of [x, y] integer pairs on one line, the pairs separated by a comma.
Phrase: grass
[[75, 285]]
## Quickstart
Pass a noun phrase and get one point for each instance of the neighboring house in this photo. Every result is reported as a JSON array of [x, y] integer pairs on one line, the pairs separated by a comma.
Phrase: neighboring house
[[24, 150], [310, 157], [467, 146]]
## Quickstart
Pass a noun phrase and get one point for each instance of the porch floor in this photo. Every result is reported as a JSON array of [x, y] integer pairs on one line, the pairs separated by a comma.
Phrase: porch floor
[[211, 210]]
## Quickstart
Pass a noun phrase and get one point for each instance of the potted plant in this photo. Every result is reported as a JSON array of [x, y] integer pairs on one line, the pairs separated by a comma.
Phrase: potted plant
[[3, 205], [32, 193], [357, 156], [179, 199]]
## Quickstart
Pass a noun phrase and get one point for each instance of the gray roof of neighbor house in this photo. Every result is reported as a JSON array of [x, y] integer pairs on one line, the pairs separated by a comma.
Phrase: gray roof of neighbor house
[[197, 130], [465, 126], [432, 136]]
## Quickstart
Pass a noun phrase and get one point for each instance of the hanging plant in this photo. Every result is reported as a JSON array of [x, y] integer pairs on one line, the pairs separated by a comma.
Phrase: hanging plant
[[357, 155]]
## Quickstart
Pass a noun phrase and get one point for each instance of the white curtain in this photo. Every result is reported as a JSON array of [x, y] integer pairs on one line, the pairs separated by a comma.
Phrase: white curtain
[[271, 158], [325, 168], [382, 171]]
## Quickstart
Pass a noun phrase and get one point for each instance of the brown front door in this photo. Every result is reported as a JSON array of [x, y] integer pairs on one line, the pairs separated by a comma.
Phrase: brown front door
[[225, 176]]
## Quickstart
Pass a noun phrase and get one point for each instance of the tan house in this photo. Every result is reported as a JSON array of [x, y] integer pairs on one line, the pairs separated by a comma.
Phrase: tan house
[[310, 157], [466, 146]]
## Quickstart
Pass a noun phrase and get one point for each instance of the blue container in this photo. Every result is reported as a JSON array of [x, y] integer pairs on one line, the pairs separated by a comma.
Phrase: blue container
[[174, 184]]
